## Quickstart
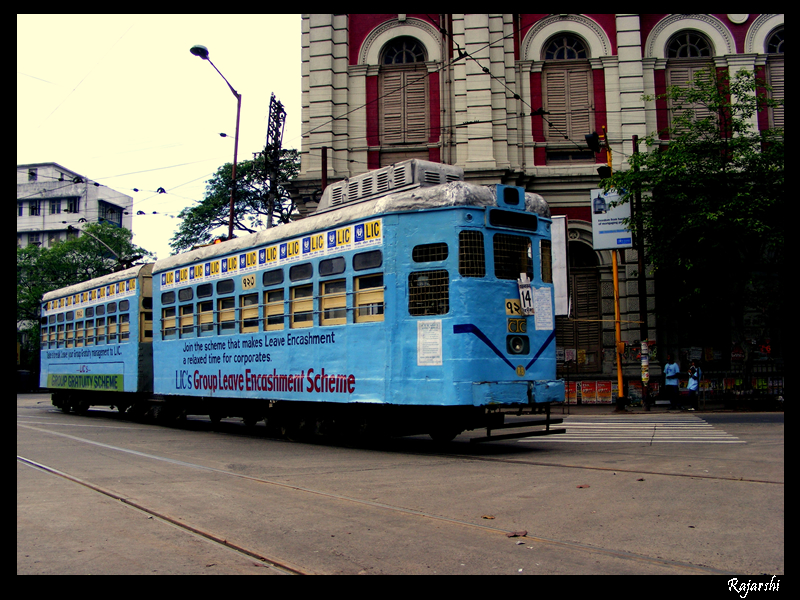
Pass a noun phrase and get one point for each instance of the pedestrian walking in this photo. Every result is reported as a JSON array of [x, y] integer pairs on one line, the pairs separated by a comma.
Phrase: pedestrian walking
[[671, 370], [695, 374]]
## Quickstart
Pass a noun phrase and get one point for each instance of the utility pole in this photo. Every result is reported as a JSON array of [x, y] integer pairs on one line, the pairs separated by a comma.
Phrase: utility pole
[[642, 282]]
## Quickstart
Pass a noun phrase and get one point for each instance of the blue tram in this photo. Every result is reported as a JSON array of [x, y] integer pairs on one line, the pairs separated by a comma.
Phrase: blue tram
[[96, 341], [410, 302]]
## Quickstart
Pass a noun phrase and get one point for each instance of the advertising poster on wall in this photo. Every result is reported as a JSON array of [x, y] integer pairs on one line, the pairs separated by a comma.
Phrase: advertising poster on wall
[[604, 392], [589, 392]]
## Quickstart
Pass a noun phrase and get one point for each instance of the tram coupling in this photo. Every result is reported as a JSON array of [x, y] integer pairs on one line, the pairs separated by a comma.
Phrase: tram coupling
[[496, 421]]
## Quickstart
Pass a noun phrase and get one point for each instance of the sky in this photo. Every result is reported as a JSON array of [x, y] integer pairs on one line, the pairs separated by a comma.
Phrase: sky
[[122, 101]]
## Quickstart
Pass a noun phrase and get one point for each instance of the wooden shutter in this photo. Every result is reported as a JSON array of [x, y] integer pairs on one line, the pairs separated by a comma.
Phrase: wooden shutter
[[584, 331], [404, 106], [568, 99], [776, 68], [683, 76]]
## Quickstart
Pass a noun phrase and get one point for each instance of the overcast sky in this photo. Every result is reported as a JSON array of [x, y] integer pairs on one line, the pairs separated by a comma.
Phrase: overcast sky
[[122, 101]]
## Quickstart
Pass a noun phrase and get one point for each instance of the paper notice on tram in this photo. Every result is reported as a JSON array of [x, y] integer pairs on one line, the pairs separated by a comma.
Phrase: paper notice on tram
[[543, 306], [429, 343]]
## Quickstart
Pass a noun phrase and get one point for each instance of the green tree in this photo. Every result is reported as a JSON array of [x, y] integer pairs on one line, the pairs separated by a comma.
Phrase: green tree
[[712, 208], [252, 202], [41, 270]]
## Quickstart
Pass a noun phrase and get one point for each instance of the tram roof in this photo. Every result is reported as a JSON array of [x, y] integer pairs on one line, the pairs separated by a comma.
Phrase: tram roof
[[99, 282], [448, 195]]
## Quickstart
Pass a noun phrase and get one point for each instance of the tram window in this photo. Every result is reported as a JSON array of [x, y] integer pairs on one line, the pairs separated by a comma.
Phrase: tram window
[[226, 315], [274, 277], [428, 293], [70, 315], [471, 259], [185, 294], [369, 304], [512, 256], [187, 319], [331, 266], [52, 318], [90, 333], [367, 260], [545, 254], [111, 321], [79, 334], [168, 323], [429, 252], [249, 312], [205, 315], [124, 305], [111, 308], [124, 327], [168, 298], [100, 325], [89, 313], [302, 307], [273, 309], [61, 335], [300, 272], [100, 310], [146, 328], [333, 301], [70, 334], [226, 286], [205, 290]]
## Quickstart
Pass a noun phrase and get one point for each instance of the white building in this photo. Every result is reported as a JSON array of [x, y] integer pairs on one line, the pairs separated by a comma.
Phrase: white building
[[51, 198]]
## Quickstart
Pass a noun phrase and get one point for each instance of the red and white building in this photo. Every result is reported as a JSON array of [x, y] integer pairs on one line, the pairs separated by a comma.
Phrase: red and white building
[[509, 98]]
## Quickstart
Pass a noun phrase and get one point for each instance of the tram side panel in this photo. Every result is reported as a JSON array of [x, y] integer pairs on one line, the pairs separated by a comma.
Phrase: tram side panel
[[313, 332], [96, 341]]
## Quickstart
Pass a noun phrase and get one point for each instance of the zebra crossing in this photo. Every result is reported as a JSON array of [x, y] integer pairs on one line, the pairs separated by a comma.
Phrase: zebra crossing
[[668, 429]]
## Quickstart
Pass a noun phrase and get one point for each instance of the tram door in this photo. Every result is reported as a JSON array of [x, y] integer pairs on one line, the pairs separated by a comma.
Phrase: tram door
[[583, 332]]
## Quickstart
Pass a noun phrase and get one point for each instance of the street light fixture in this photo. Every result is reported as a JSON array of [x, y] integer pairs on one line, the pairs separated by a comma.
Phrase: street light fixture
[[202, 52]]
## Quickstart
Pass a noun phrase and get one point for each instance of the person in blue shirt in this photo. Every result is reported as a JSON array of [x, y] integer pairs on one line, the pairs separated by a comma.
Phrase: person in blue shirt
[[671, 370], [694, 384]]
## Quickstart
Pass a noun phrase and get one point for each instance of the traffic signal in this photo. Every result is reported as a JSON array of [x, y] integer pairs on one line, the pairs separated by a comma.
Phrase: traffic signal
[[593, 141]]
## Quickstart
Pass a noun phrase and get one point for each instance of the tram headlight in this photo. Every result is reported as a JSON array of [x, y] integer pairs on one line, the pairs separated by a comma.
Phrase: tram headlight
[[518, 344]]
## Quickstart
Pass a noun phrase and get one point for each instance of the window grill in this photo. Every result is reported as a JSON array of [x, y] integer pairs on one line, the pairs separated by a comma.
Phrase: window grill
[[471, 259], [512, 256], [428, 293]]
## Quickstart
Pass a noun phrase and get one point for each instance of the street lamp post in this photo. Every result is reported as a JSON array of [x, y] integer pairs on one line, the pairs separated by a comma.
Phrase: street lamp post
[[202, 52]]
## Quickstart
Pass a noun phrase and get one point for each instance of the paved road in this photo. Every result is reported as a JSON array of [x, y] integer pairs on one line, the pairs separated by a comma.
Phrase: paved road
[[100, 494]]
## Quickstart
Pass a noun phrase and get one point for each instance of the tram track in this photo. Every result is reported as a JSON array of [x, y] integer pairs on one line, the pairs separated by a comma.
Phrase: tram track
[[285, 566]]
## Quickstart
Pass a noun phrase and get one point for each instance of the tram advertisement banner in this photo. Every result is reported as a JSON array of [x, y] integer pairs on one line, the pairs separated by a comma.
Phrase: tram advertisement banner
[[315, 245]]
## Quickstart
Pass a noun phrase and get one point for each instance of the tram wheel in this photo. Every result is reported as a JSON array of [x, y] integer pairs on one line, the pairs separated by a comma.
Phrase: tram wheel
[[443, 435]]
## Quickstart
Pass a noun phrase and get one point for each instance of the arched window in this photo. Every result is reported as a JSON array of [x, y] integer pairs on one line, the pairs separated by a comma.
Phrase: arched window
[[568, 97], [689, 55], [688, 44], [565, 47], [775, 68], [403, 51], [403, 86]]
